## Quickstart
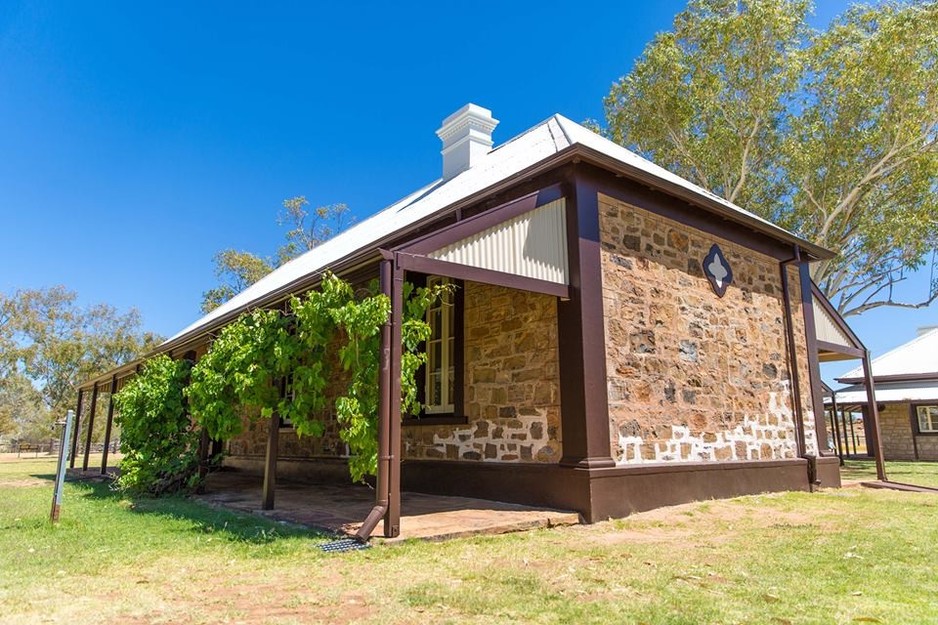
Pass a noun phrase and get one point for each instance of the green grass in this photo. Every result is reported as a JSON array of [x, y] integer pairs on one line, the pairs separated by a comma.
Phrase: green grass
[[839, 556], [919, 473]]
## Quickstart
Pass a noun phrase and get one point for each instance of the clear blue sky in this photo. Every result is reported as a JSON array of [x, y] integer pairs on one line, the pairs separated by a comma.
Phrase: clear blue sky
[[138, 139]]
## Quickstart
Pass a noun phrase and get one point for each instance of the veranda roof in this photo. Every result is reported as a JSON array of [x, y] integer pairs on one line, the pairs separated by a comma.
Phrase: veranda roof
[[888, 393], [917, 358]]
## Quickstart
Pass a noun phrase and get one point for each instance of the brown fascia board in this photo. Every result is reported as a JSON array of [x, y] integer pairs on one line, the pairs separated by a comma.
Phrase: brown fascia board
[[901, 377], [573, 153], [814, 252]]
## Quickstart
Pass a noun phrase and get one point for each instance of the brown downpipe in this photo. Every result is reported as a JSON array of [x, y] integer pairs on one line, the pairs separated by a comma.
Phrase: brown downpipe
[[384, 421], [797, 408]]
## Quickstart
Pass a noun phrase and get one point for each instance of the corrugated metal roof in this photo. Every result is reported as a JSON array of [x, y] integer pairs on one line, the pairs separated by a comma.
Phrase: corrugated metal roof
[[918, 356], [891, 392], [531, 245], [518, 154]]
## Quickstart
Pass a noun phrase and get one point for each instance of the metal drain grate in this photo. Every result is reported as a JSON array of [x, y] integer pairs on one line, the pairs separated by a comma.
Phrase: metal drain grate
[[344, 544]]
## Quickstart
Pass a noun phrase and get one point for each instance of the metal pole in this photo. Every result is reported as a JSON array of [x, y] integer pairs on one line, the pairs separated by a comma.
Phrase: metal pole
[[60, 470]]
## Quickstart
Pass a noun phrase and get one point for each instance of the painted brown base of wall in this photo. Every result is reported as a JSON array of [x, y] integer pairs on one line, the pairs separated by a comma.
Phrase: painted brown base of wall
[[600, 494], [828, 471], [327, 470], [597, 494]]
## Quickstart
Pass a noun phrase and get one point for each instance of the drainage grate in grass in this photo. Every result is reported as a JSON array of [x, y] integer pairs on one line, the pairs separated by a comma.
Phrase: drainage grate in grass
[[344, 544]]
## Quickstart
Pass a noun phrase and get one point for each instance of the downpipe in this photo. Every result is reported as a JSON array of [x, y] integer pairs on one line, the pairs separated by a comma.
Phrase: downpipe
[[382, 486], [797, 407]]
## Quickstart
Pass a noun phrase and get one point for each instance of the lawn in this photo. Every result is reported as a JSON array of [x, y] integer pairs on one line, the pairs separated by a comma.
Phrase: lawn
[[839, 556], [918, 473]]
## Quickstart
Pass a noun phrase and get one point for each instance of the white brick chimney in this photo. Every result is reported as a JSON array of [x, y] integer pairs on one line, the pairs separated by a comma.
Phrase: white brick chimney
[[466, 137]]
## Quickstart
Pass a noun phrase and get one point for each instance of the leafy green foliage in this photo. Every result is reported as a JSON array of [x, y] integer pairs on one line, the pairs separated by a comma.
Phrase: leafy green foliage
[[833, 134], [49, 344], [239, 371], [309, 229], [237, 270], [159, 444], [263, 351]]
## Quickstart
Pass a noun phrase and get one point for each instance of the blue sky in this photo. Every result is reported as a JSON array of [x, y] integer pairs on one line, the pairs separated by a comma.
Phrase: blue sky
[[138, 139]]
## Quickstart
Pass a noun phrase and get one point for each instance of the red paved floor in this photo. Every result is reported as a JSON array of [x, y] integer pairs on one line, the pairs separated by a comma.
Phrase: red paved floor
[[342, 508]]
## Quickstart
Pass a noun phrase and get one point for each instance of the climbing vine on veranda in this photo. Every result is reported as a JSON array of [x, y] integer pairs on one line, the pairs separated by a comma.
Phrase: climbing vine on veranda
[[252, 359], [158, 442]]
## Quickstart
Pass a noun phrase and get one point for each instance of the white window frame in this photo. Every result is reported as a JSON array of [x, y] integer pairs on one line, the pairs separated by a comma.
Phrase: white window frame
[[927, 418], [446, 306]]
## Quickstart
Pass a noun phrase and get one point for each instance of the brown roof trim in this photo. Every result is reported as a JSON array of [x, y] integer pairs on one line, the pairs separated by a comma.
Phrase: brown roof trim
[[901, 377], [432, 266], [852, 352], [814, 252]]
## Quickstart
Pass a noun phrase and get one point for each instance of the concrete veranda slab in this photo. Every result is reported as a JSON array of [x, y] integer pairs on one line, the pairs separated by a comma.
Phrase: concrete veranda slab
[[342, 508]]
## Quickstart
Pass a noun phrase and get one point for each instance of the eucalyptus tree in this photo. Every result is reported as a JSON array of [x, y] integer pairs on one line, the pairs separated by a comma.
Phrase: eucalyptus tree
[[832, 133]]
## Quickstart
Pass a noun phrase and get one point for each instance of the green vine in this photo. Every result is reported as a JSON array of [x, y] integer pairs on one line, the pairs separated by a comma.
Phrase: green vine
[[251, 357], [159, 445], [238, 372]]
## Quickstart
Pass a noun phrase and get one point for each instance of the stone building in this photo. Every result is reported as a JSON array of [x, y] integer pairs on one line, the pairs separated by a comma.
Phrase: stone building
[[619, 338], [906, 383]]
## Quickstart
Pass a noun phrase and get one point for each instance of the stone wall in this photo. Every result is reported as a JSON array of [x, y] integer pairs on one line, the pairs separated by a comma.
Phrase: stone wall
[[895, 424], [691, 376], [253, 441], [511, 383]]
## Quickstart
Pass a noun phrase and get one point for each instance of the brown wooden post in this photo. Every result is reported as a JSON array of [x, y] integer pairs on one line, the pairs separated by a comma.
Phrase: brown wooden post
[[584, 410], [853, 434], [814, 366], [110, 420], [94, 403], [203, 453], [835, 429], [270, 466], [75, 431], [913, 425], [392, 521], [380, 510], [874, 417]]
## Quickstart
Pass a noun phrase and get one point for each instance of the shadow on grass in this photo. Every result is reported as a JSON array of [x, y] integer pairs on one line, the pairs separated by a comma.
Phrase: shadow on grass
[[199, 517], [915, 472]]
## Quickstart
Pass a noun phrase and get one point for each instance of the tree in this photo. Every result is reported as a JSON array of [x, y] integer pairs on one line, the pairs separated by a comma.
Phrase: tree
[[830, 134], [51, 344], [309, 229], [237, 270]]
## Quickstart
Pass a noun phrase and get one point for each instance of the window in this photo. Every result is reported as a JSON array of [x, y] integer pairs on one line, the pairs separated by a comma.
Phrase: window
[[440, 378], [927, 419]]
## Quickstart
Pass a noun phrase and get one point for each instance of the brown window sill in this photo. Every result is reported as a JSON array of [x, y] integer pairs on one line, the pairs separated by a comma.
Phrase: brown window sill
[[435, 420]]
